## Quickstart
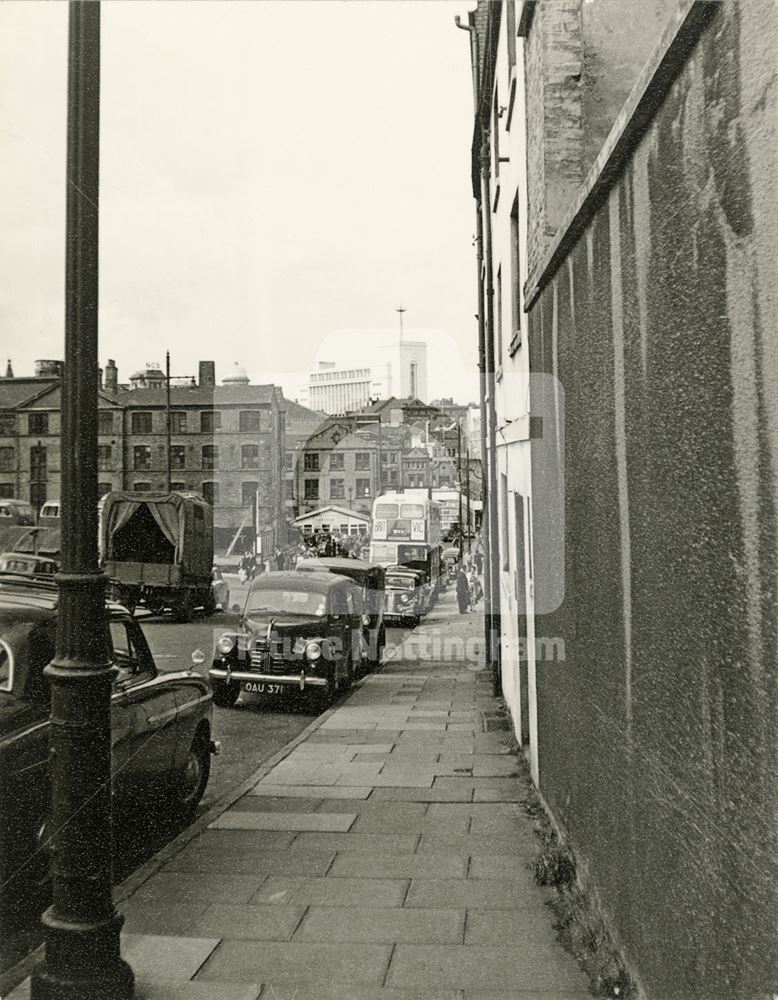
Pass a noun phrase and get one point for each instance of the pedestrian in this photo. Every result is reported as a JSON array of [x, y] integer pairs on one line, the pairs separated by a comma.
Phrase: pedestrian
[[479, 562], [463, 591]]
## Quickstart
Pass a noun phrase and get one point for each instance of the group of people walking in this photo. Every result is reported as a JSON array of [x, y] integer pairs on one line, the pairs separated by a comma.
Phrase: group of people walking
[[469, 588]]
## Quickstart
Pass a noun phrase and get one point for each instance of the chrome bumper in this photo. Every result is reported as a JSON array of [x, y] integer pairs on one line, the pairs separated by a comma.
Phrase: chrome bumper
[[301, 680]]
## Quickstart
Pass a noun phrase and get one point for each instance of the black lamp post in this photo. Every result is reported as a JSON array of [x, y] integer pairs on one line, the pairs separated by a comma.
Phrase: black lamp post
[[82, 960]]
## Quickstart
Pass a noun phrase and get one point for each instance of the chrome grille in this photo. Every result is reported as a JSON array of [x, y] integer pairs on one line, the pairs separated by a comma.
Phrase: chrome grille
[[263, 661]]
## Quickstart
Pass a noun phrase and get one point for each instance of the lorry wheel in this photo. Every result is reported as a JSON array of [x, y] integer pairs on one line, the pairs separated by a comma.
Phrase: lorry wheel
[[225, 695], [182, 610]]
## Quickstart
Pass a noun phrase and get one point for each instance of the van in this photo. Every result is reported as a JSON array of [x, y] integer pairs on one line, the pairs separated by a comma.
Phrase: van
[[14, 511], [50, 514]]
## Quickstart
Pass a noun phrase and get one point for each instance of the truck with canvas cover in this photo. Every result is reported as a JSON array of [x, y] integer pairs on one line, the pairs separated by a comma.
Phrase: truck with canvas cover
[[157, 549]]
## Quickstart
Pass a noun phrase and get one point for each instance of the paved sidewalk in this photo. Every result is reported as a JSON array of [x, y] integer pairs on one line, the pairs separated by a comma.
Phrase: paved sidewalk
[[385, 858]]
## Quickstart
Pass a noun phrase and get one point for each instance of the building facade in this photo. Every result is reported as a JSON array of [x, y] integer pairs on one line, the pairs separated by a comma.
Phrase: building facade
[[636, 477]]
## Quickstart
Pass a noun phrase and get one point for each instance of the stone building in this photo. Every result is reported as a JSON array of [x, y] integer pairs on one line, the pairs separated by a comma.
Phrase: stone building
[[624, 168]]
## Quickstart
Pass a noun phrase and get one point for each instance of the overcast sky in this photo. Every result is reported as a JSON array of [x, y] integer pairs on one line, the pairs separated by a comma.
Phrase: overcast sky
[[271, 173]]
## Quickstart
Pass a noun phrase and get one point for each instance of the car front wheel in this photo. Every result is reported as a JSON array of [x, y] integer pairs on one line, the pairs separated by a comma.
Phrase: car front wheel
[[192, 780]]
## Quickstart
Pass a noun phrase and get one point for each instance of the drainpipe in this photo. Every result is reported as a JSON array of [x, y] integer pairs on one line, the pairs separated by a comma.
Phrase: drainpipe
[[489, 386]]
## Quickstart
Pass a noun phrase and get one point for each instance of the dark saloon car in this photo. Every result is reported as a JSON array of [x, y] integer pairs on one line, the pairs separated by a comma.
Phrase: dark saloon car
[[370, 578], [299, 632], [160, 726], [404, 597]]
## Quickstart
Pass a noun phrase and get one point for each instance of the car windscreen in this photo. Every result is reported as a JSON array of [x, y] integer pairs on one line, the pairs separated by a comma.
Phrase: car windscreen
[[290, 602], [400, 583], [6, 667]]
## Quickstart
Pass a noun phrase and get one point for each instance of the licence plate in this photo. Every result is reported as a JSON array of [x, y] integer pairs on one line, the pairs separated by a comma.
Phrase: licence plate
[[262, 687]]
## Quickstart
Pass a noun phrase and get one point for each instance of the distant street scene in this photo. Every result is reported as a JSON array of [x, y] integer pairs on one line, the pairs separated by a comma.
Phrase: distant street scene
[[389, 500]]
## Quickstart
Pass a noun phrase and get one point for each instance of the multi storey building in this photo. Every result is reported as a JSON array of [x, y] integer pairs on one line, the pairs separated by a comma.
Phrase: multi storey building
[[227, 442]]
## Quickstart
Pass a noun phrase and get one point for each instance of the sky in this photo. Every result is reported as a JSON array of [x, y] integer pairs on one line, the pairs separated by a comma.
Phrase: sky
[[272, 174]]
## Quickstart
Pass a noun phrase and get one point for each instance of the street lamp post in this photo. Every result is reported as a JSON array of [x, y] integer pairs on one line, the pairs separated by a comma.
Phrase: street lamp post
[[82, 959]]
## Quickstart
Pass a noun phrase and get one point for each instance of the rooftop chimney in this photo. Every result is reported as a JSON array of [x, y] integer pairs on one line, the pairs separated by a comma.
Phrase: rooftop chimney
[[9, 372], [111, 376], [49, 369], [207, 374]]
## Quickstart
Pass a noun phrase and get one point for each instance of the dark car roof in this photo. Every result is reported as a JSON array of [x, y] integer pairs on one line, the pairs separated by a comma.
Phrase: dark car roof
[[18, 591], [292, 580], [347, 567]]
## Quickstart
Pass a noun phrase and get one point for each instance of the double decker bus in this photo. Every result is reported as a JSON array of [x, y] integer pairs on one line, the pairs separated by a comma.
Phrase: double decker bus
[[406, 531]]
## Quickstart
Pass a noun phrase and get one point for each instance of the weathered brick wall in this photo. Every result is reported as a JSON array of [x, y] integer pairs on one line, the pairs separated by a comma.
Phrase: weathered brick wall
[[555, 132], [657, 743]]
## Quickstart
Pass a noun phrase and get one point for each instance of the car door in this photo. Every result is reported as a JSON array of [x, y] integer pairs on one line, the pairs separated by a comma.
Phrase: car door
[[143, 714]]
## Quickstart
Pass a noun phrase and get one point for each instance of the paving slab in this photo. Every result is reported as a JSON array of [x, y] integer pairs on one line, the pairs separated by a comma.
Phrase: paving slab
[[343, 991], [203, 863], [356, 892], [497, 968], [473, 894], [507, 846], [293, 963], [361, 843], [159, 917], [411, 866], [303, 791], [375, 807], [372, 822], [167, 957], [382, 926], [408, 794], [189, 887], [228, 921], [238, 819], [277, 803]]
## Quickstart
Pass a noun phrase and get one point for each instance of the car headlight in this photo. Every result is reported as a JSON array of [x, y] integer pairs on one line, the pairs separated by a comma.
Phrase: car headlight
[[313, 650], [403, 598], [226, 644]]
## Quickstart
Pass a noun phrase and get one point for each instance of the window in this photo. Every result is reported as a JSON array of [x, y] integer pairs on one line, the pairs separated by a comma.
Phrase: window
[[362, 461], [103, 488], [140, 423], [177, 456], [311, 489], [141, 456], [7, 490], [337, 489], [289, 460], [290, 489], [251, 420], [7, 423], [496, 133], [105, 458], [311, 461], [178, 422], [210, 456], [210, 421], [38, 423], [336, 461], [105, 422], [498, 319], [141, 487], [210, 493], [249, 456], [504, 539], [177, 487], [131, 660], [7, 459], [363, 487], [248, 492], [515, 343]]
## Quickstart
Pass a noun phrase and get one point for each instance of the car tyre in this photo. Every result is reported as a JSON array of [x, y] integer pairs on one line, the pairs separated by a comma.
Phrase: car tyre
[[225, 695], [192, 780]]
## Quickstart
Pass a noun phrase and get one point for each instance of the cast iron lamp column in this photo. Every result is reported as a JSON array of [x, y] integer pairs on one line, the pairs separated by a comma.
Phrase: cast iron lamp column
[[82, 960]]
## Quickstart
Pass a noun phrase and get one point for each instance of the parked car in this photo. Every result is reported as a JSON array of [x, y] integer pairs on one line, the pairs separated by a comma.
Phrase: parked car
[[424, 589], [50, 514], [220, 589], [370, 578], [14, 511], [404, 599], [27, 564], [300, 632], [161, 727]]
